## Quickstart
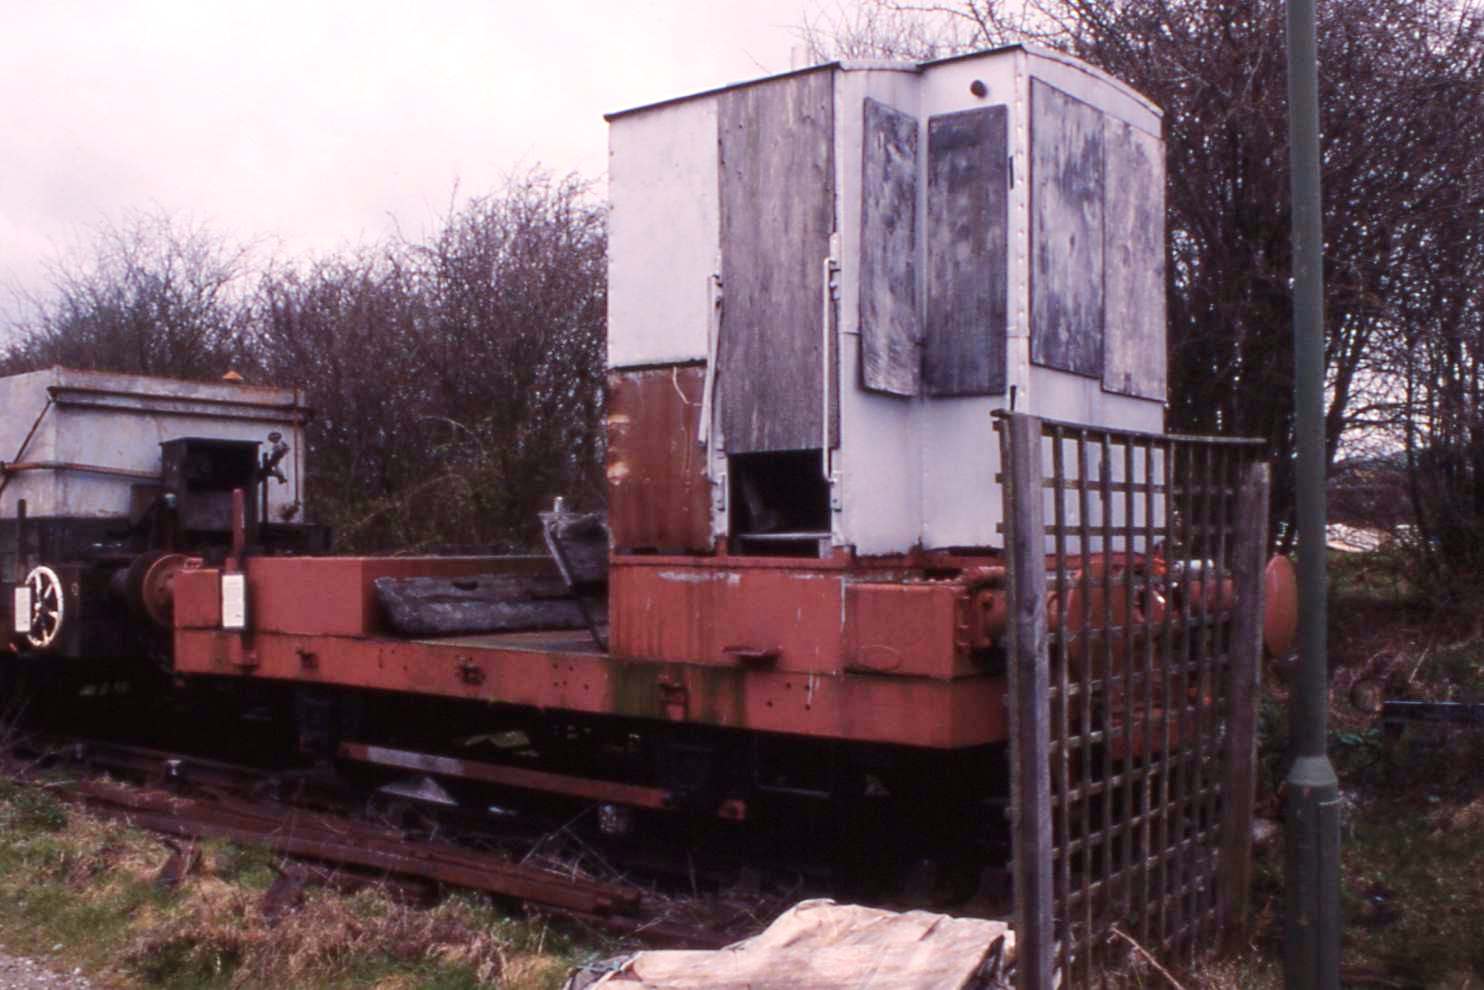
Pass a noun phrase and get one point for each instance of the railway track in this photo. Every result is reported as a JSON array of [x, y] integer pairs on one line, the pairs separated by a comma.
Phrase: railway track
[[317, 818]]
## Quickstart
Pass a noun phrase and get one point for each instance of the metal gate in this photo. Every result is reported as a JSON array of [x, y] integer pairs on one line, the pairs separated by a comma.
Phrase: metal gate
[[1136, 581]]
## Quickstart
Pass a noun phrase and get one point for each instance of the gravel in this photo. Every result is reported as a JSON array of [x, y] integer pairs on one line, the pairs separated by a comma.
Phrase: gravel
[[17, 973]]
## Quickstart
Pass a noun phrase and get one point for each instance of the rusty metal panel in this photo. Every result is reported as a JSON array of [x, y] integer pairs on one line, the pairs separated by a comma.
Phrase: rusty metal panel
[[907, 630], [777, 216], [889, 323], [689, 610], [549, 672], [1133, 262], [1066, 232], [658, 493], [198, 599], [967, 250], [328, 596], [1147, 709]]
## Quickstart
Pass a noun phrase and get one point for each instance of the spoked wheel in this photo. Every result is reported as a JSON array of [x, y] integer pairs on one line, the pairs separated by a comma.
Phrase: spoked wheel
[[47, 607]]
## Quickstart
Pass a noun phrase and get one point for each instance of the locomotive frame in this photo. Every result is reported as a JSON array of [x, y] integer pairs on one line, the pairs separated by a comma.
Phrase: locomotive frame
[[826, 287]]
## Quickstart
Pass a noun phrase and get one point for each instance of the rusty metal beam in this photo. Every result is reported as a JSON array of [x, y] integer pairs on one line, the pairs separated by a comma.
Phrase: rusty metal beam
[[585, 788], [341, 840]]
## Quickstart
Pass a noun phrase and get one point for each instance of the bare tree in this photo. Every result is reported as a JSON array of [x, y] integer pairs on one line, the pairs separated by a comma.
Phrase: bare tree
[[150, 294], [458, 378]]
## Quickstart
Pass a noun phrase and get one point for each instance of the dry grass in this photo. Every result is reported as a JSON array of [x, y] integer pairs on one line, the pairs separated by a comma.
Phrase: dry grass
[[84, 890]]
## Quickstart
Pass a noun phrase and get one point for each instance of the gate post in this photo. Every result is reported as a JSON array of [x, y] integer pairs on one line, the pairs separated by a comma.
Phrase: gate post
[[1029, 700], [1249, 552]]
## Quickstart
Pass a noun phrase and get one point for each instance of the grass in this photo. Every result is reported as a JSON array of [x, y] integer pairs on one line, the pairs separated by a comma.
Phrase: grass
[[80, 892], [1412, 834]]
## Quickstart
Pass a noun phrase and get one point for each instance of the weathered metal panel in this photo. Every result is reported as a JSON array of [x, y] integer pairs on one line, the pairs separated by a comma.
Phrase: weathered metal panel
[[907, 630], [696, 611], [777, 215], [878, 479], [658, 494], [1133, 262], [958, 457], [889, 322], [664, 232], [722, 611], [968, 243], [560, 671], [1066, 232], [97, 436], [330, 596]]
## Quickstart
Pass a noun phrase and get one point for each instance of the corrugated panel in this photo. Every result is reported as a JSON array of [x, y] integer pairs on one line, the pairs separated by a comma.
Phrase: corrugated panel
[[777, 215], [890, 328], [1066, 232], [967, 208], [658, 496], [1133, 262]]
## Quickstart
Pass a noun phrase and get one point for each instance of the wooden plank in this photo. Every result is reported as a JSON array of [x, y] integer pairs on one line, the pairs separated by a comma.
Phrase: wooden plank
[[1235, 876], [1066, 232], [1029, 700], [777, 215], [439, 606], [1133, 262], [967, 251], [889, 323]]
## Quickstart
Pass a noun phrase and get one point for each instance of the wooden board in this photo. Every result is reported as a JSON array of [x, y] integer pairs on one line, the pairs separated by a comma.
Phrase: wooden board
[[443, 606], [1066, 232], [777, 215], [1133, 262], [968, 244], [889, 324]]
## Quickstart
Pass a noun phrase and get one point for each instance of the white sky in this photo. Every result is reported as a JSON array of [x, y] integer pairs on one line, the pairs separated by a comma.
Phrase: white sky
[[312, 123]]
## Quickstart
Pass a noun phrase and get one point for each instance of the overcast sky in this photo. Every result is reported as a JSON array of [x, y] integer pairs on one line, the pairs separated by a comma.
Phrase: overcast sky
[[313, 122]]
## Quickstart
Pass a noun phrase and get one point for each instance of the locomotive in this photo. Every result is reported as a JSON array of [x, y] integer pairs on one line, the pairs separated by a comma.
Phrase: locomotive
[[823, 287]]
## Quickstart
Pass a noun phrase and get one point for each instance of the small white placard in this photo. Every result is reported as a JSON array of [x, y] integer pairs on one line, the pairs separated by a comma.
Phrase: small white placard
[[234, 601], [22, 609]]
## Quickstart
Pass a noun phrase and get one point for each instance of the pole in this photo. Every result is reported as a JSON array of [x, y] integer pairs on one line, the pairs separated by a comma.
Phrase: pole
[[1312, 918]]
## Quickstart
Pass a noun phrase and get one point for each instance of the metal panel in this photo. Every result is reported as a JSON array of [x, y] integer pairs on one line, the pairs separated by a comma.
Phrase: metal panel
[[1133, 262], [889, 323], [562, 670], [664, 231], [968, 241], [99, 436], [954, 460], [877, 465], [1066, 232], [777, 215], [334, 596], [658, 495], [1142, 735]]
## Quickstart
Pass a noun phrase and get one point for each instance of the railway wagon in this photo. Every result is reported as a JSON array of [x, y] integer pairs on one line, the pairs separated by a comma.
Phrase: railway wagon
[[826, 288]]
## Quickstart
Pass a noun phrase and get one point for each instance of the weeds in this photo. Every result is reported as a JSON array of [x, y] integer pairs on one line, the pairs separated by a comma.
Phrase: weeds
[[83, 891]]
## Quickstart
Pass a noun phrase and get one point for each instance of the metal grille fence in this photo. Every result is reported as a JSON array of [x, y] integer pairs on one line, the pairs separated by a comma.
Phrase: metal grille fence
[[1136, 572]]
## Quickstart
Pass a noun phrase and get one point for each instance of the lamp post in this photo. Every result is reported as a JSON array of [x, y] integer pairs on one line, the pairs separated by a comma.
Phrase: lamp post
[[1312, 918]]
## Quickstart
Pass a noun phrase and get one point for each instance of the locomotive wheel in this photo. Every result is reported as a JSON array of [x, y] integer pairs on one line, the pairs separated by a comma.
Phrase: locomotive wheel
[[48, 607], [151, 585]]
